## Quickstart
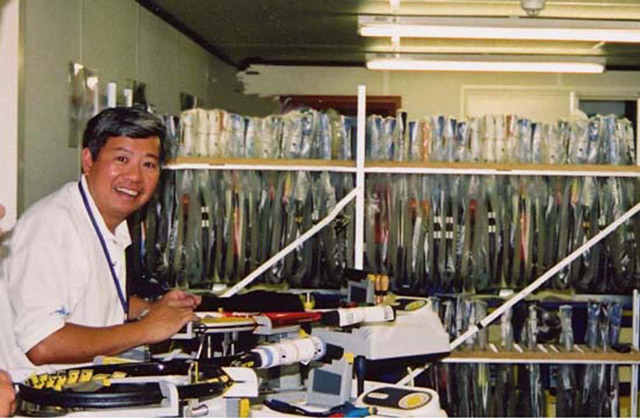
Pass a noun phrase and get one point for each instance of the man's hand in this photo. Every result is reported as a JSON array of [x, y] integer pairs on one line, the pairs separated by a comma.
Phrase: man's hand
[[182, 298], [7, 395], [167, 316]]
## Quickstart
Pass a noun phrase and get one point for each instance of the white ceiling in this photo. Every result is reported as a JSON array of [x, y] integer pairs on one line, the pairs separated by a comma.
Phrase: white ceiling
[[306, 32]]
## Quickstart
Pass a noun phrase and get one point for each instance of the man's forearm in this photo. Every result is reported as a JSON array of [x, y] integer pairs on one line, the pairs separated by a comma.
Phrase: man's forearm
[[78, 344]]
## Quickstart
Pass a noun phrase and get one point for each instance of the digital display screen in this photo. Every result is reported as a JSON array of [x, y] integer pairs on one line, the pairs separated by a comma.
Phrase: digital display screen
[[326, 382]]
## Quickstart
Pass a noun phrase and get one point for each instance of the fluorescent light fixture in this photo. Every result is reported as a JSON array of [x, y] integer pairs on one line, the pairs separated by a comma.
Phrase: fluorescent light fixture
[[491, 64], [485, 47], [500, 28]]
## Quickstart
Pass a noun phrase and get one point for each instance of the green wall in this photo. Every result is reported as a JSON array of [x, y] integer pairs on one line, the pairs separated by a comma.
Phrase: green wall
[[447, 93], [122, 41]]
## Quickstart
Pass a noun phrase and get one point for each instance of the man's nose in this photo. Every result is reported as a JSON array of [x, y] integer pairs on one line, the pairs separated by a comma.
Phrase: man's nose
[[134, 170]]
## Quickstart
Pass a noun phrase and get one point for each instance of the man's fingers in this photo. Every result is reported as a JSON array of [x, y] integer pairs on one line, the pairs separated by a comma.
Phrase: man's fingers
[[5, 377], [188, 315], [177, 294], [193, 299], [174, 294], [164, 320], [179, 303]]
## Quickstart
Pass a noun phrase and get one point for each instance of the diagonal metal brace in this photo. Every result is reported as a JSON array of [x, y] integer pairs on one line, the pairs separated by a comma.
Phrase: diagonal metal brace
[[473, 329], [292, 246]]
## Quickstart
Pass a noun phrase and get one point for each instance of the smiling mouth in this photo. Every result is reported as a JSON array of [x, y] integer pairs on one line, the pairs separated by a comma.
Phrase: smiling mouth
[[128, 192]]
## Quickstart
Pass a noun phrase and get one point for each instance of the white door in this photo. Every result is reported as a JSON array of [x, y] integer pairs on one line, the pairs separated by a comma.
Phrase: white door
[[541, 104], [9, 30]]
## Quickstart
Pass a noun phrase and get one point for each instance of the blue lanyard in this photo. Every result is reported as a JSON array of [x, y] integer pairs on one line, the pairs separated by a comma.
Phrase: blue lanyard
[[123, 301]]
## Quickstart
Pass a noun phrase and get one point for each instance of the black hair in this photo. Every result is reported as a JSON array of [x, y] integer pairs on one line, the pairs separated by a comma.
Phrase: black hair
[[122, 121]]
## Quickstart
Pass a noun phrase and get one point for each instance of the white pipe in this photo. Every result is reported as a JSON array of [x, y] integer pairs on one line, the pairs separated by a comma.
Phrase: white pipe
[[289, 248], [496, 172], [493, 360], [260, 167], [360, 170], [191, 166], [635, 339], [637, 131], [401, 170], [533, 286]]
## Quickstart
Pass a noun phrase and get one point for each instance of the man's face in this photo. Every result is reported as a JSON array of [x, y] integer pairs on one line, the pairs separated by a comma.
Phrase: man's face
[[123, 176]]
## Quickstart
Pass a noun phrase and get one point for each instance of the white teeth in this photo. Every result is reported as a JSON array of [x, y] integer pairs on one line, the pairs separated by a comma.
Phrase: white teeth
[[128, 191]]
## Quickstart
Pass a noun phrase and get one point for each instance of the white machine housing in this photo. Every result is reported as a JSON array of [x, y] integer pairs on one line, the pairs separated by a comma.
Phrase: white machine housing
[[414, 333]]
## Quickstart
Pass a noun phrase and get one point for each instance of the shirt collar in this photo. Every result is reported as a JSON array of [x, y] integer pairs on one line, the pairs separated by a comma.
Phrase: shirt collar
[[121, 235]]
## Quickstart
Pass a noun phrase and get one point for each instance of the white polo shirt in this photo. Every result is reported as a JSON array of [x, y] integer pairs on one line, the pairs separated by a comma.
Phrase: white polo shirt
[[57, 272]]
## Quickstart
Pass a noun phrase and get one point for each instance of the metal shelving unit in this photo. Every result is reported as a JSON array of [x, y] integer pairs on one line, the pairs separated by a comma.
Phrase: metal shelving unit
[[361, 168]]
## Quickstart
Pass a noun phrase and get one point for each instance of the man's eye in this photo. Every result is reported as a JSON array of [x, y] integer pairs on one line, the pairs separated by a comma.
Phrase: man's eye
[[151, 164]]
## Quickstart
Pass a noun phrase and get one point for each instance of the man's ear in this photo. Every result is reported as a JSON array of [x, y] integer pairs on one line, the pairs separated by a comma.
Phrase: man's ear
[[87, 161]]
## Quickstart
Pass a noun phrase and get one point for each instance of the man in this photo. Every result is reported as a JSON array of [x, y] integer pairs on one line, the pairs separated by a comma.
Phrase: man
[[64, 278]]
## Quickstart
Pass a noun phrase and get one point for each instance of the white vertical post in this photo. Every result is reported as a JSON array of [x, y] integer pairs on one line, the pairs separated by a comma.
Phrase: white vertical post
[[360, 150], [112, 94], [573, 103], [635, 318], [635, 339], [128, 97], [637, 131]]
